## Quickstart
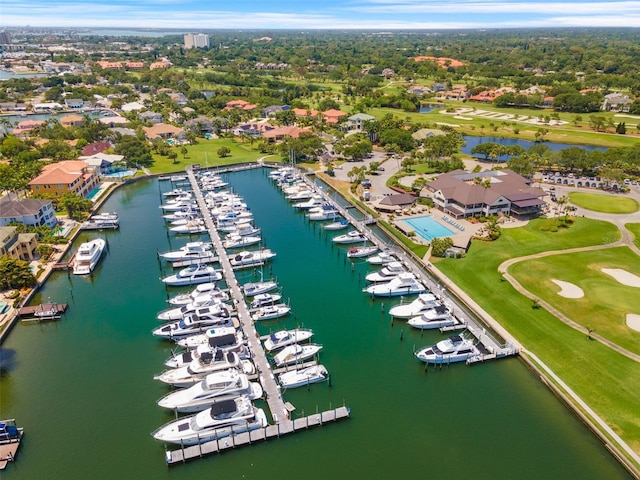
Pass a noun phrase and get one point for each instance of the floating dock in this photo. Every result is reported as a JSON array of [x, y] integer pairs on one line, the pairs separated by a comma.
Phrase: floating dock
[[44, 311]]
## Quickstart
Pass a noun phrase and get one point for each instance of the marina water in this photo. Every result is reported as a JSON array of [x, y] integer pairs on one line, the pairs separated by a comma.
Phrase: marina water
[[83, 387]]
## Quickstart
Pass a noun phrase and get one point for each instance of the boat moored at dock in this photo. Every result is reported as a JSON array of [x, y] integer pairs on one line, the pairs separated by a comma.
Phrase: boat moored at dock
[[193, 275], [88, 256], [456, 348], [283, 338], [303, 376]]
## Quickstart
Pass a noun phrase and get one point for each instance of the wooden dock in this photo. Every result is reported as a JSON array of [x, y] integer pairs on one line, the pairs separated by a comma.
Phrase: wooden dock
[[44, 311], [9, 443]]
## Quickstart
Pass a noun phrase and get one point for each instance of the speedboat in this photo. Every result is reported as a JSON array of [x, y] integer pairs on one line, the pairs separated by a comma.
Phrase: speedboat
[[325, 211], [282, 338], [303, 376], [176, 192], [232, 342], [179, 206], [223, 418], [207, 289], [190, 251], [88, 256], [187, 212], [199, 303], [252, 289], [239, 241], [269, 312], [183, 220], [192, 226], [295, 353], [215, 387], [403, 284], [454, 349], [381, 258], [300, 195], [203, 366], [192, 275], [388, 272], [244, 230], [353, 236], [314, 201], [435, 317], [212, 337], [263, 299], [361, 252], [192, 324], [249, 258], [337, 224], [424, 302]]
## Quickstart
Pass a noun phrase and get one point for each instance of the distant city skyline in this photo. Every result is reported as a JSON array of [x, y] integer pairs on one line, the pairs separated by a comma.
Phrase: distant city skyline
[[314, 14]]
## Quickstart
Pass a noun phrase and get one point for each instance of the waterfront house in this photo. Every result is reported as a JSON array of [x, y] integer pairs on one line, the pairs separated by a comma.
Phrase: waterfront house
[[101, 162], [33, 212], [74, 103], [279, 133], [163, 130], [72, 120], [69, 176], [19, 246], [112, 122]]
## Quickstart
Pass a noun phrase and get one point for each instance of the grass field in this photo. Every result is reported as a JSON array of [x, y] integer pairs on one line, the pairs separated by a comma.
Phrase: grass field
[[635, 229], [604, 203], [605, 303], [606, 380]]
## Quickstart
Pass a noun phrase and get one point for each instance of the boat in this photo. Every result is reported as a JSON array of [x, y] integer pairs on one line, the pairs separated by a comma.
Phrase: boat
[[190, 251], [178, 178], [361, 252], [176, 192], [47, 311], [325, 211], [199, 303], [182, 205], [300, 195], [314, 201], [210, 289], [244, 230], [223, 418], [88, 256], [231, 342], [456, 348], [215, 387], [101, 221], [252, 289], [192, 324], [381, 258], [212, 337], [303, 376], [282, 338], [239, 241], [263, 299], [295, 354], [425, 301], [337, 224], [436, 317], [192, 275], [403, 284], [353, 236], [192, 226], [185, 219], [187, 212], [388, 272], [269, 312], [251, 258], [203, 366], [10, 438]]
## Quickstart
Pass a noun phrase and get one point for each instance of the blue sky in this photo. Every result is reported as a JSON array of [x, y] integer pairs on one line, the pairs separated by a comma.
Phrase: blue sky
[[320, 14]]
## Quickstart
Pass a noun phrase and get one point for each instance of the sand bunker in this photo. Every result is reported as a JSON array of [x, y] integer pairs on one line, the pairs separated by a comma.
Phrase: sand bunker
[[568, 290], [622, 276], [633, 321], [460, 117]]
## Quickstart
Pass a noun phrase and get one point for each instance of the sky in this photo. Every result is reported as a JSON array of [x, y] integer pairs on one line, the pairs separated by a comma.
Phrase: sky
[[320, 14]]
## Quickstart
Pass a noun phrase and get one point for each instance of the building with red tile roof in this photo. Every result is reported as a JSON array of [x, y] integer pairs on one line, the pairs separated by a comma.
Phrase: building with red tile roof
[[443, 62], [279, 133], [69, 176], [72, 120], [333, 115], [162, 130], [161, 64], [305, 113]]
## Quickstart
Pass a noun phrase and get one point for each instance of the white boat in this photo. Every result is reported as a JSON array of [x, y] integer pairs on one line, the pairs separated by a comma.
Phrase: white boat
[[282, 338], [176, 192], [215, 387], [193, 275], [403, 284], [386, 273], [252, 289], [190, 251], [184, 220], [88, 256], [251, 258], [232, 342], [435, 317], [201, 367], [240, 241], [325, 212], [186, 212], [204, 301], [264, 299], [337, 224], [353, 236], [300, 195], [424, 302], [361, 252], [381, 258], [223, 418], [179, 206], [178, 178], [244, 230], [314, 201], [454, 349], [192, 226], [303, 376], [211, 337], [208, 289], [269, 312], [193, 324], [295, 354]]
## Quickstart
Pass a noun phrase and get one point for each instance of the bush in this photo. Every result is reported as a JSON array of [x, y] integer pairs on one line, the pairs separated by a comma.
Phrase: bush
[[439, 246]]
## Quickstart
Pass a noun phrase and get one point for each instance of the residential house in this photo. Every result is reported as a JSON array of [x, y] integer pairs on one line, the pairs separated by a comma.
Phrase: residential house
[[462, 194], [253, 130], [112, 122], [19, 246], [419, 91], [74, 103], [163, 130], [47, 107], [95, 147], [152, 117], [547, 101], [333, 116], [179, 98], [161, 64], [69, 176], [13, 107], [33, 212], [423, 133], [616, 102], [129, 107], [271, 110], [305, 113], [279, 133], [105, 64], [134, 65], [388, 73], [101, 162], [356, 122], [25, 127], [199, 125], [240, 105], [72, 121]]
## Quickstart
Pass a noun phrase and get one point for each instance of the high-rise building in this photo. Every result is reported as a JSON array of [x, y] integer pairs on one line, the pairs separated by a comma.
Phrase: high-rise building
[[5, 38], [196, 40]]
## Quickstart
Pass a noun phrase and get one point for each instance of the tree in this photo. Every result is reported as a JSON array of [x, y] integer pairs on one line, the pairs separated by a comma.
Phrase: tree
[[621, 128], [223, 151], [135, 151], [184, 150], [439, 246], [173, 156], [15, 273], [75, 205]]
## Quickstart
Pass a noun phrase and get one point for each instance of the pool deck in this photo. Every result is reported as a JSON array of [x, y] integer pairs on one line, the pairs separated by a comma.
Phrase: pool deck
[[461, 238]]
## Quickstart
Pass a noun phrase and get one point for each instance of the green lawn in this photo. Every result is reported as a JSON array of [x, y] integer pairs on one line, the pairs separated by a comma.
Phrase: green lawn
[[205, 154], [635, 229], [599, 202], [605, 303], [606, 380]]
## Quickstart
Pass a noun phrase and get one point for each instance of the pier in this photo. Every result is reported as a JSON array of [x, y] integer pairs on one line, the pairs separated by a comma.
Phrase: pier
[[44, 311]]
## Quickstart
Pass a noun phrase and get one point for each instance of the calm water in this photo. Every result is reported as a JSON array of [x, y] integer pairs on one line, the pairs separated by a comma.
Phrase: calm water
[[471, 142], [83, 387]]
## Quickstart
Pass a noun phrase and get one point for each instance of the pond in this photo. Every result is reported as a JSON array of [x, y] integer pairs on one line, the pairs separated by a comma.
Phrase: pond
[[471, 142], [429, 108]]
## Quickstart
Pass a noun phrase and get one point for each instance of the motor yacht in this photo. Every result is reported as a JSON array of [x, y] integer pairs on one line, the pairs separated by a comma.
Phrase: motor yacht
[[208, 289], [353, 236], [303, 376], [454, 349], [190, 251], [435, 317], [295, 354], [269, 312], [232, 342], [203, 366], [386, 273], [252, 289], [381, 258], [244, 230], [325, 211], [282, 338], [88, 256], [315, 201], [424, 302], [212, 304], [361, 252], [233, 240], [192, 324], [191, 227], [264, 299], [403, 284], [213, 337], [193, 275], [251, 258], [340, 224]]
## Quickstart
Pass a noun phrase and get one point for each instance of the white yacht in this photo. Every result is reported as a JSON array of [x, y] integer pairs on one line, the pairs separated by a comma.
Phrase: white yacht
[[353, 236], [193, 275], [295, 354], [283, 338], [361, 252], [190, 251], [193, 324], [303, 376], [176, 192], [403, 284], [199, 303], [212, 337], [187, 212], [387, 273], [201, 292], [244, 230], [203, 366], [223, 418], [263, 299], [215, 387], [454, 349], [88, 256], [381, 258], [234, 240], [326, 211], [435, 317], [251, 258], [314, 201], [269, 312], [179, 206], [424, 302], [192, 226], [340, 224], [252, 289], [233, 342], [300, 194]]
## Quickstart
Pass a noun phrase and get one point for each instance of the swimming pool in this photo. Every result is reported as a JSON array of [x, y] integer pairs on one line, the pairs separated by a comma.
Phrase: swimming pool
[[120, 174], [428, 227]]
